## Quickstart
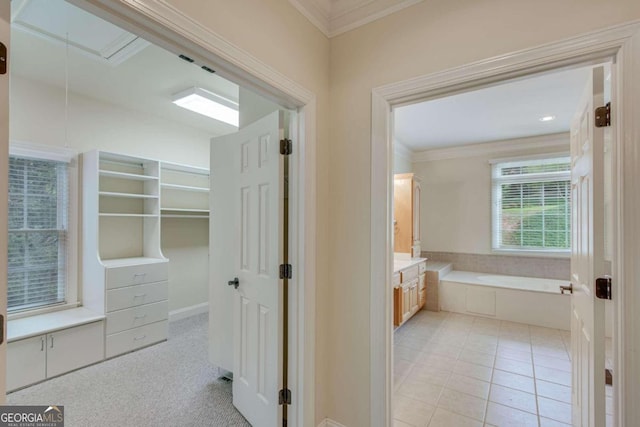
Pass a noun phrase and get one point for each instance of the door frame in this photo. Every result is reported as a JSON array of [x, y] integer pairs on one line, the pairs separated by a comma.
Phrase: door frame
[[621, 43], [167, 27]]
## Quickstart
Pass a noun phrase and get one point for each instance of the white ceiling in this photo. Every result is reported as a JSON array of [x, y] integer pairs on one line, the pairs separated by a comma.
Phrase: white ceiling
[[144, 80], [334, 17], [507, 111]]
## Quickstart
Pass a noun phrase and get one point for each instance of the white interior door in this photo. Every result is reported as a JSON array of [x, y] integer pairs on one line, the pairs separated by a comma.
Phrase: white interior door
[[587, 258], [5, 22], [246, 243]]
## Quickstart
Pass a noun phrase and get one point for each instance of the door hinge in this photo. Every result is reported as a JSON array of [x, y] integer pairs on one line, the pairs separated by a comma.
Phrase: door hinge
[[603, 287], [285, 271], [603, 116], [286, 147], [1, 328], [285, 396]]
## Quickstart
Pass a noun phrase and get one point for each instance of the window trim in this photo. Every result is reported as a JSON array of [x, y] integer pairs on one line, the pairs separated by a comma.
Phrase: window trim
[[495, 225], [60, 154]]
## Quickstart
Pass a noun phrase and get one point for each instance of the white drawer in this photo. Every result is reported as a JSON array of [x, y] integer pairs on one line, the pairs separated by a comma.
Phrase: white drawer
[[132, 296], [410, 274], [135, 338], [423, 267], [396, 279], [122, 320], [118, 277]]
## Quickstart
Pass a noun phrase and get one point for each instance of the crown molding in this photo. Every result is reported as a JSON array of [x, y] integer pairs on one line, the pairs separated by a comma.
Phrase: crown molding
[[334, 17], [552, 143]]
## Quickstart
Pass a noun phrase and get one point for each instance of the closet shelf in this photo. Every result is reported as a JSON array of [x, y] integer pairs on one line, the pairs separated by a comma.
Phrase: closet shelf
[[185, 188], [185, 210], [127, 195], [128, 215], [185, 216], [124, 175]]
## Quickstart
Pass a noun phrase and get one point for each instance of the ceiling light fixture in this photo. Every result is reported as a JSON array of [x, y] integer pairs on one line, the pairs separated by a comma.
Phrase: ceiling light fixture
[[547, 118], [208, 104]]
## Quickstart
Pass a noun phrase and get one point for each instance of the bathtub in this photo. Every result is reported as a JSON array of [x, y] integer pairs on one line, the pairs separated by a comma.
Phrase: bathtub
[[517, 299]]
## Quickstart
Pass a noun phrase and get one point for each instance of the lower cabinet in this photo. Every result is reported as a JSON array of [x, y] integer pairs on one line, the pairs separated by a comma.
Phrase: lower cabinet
[[409, 293], [34, 359]]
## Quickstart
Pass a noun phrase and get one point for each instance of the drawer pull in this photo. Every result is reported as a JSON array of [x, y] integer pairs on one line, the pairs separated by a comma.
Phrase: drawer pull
[[142, 316], [41, 343], [139, 338], [140, 296], [139, 275], [51, 341]]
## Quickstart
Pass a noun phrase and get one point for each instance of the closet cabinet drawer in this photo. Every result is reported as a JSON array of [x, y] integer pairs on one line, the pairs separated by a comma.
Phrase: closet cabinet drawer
[[135, 338], [117, 277], [122, 320], [132, 296]]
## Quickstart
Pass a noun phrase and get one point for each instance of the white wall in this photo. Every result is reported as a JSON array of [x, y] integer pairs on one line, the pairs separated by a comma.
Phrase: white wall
[[38, 116], [401, 161], [455, 209]]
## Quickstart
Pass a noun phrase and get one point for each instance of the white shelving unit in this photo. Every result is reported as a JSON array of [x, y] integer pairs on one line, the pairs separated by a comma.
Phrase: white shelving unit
[[185, 191], [124, 271]]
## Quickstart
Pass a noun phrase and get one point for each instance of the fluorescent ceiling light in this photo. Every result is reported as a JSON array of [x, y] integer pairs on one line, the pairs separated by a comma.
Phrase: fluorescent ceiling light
[[208, 104], [547, 118]]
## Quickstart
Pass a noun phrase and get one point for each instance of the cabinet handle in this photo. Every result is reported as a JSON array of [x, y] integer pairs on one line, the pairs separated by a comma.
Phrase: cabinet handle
[[51, 341], [139, 338], [41, 343], [139, 274], [142, 316], [140, 296]]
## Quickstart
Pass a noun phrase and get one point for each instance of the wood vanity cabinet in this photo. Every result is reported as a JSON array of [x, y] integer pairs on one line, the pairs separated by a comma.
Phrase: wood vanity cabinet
[[409, 293], [406, 213]]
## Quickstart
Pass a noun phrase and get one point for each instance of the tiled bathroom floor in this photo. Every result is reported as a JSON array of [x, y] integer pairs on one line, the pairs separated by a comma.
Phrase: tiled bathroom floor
[[456, 370]]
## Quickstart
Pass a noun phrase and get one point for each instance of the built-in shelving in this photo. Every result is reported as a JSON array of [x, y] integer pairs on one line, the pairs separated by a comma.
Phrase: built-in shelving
[[127, 195], [124, 175], [127, 215], [184, 188], [184, 191]]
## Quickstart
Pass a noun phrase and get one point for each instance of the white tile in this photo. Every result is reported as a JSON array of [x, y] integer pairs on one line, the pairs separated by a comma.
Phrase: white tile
[[405, 353], [444, 418], [553, 375], [513, 344], [472, 370], [509, 353], [468, 385], [518, 382], [412, 411], [424, 392], [462, 404], [514, 366], [513, 398], [551, 351], [554, 410], [481, 339], [398, 423], [546, 422], [551, 362], [484, 359], [481, 347], [429, 374], [436, 361], [446, 350], [553, 391], [410, 342], [504, 416]]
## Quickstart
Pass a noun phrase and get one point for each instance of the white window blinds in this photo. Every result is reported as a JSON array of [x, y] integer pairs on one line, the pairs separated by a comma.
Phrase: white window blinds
[[531, 205], [37, 247]]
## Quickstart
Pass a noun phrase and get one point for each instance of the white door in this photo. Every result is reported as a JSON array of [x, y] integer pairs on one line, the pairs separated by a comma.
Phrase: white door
[[246, 243], [587, 258], [5, 19]]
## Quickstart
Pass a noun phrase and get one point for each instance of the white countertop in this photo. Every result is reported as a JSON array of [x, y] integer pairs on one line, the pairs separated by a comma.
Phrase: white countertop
[[403, 264], [44, 323]]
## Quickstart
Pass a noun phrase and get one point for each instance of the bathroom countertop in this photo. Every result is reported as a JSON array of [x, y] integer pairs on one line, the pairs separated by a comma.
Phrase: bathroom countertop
[[403, 264]]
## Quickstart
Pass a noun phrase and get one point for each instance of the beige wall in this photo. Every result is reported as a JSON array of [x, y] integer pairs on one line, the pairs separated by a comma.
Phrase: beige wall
[[401, 163], [431, 36], [455, 209]]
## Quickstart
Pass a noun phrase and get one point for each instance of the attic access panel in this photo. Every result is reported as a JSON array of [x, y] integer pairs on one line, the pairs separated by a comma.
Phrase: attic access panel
[[57, 21]]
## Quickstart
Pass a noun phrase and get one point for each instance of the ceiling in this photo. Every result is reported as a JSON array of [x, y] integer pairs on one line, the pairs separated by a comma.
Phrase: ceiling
[[107, 63], [334, 17], [506, 111]]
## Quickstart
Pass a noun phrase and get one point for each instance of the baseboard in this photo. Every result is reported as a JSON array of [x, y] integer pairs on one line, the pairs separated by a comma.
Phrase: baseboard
[[330, 423], [183, 313]]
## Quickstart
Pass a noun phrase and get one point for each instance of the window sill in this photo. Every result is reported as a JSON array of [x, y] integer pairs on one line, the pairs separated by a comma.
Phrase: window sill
[[40, 324], [529, 253], [44, 310]]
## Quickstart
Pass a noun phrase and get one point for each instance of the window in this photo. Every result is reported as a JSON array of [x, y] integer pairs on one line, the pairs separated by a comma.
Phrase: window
[[531, 205], [37, 247]]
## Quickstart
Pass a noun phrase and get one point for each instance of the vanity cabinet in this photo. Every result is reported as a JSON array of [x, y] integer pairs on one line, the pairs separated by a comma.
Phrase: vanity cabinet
[[406, 213], [409, 292]]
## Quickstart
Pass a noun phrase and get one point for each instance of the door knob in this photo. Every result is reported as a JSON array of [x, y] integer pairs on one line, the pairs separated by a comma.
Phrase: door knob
[[566, 288], [235, 282]]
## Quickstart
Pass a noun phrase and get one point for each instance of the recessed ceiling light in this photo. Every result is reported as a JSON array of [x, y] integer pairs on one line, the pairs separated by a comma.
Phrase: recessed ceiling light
[[547, 118], [208, 104]]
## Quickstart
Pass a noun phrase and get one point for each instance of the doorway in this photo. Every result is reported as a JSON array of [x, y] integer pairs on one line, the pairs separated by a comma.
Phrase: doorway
[[456, 81]]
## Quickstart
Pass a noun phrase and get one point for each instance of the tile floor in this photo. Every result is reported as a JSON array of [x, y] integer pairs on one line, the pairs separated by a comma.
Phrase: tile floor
[[457, 370]]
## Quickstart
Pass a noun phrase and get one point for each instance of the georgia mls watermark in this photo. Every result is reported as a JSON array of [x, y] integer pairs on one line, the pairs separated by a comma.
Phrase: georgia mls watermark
[[31, 416]]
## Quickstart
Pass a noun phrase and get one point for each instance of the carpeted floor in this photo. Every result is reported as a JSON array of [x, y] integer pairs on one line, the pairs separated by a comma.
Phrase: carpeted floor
[[168, 384]]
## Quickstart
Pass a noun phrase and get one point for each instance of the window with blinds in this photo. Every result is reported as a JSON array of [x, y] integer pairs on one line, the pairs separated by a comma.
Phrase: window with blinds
[[37, 247], [531, 205]]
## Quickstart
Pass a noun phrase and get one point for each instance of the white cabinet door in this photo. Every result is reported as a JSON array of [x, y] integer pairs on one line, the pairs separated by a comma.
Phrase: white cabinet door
[[587, 259], [26, 362], [74, 348]]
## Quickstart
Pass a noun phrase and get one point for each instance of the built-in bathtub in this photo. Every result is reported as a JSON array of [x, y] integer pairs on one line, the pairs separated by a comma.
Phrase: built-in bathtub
[[518, 299]]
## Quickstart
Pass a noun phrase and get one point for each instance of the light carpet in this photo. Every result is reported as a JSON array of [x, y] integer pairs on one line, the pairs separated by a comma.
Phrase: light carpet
[[168, 384]]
